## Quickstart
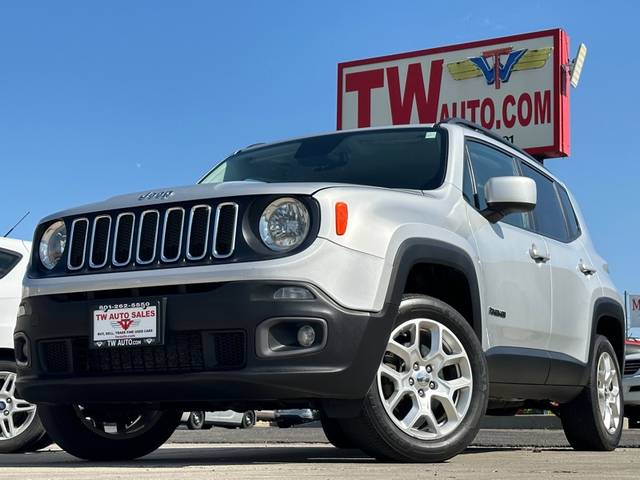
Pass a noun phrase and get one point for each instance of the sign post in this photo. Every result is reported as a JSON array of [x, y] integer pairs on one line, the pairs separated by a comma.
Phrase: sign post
[[517, 86]]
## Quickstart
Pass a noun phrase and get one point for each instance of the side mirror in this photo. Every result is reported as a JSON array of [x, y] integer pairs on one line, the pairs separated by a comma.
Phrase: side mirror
[[505, 195]]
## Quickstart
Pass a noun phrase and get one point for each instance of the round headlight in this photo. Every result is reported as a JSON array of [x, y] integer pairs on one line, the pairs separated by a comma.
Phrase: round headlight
[[284, 224], [52, 244]]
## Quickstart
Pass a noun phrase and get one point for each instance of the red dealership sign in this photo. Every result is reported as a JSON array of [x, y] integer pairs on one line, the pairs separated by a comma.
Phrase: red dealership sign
[[517, 86]]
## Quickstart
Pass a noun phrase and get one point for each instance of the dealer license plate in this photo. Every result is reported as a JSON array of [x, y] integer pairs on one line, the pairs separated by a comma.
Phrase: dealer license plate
[[126, 324]]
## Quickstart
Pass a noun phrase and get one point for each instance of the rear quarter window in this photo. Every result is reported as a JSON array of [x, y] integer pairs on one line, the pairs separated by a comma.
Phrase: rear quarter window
[[8, 261], [570, 214]]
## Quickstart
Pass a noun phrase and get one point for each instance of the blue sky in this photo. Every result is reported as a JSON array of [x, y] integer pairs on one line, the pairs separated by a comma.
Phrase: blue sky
[[101, 98]]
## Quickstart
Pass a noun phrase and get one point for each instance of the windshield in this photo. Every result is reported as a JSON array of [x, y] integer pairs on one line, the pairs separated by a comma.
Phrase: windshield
[[410, 158]]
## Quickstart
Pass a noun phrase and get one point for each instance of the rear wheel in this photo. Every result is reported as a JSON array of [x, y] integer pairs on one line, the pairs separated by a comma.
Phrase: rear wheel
[[593, 421], [117, 433], [196, 420], [248, 419], [20, 427], [430, 391]]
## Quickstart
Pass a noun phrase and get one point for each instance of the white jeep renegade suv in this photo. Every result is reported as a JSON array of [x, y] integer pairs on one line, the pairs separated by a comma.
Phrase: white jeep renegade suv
[[401, 280]]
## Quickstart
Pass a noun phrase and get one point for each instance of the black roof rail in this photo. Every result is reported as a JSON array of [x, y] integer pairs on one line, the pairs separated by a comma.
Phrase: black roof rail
[[489, 133], [248, 147]]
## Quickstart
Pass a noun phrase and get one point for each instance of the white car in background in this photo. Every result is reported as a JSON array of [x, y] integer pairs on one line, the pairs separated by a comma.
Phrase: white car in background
[[201, 420], [20, 427]]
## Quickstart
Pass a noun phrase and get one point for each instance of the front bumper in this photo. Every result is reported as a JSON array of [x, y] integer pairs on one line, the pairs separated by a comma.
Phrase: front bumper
[[188, 369], [631, 386]]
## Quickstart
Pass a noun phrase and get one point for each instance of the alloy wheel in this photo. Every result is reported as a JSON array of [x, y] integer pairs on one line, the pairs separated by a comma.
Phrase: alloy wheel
[[609, 399], [16, 415], [425, 380], [197, 419]]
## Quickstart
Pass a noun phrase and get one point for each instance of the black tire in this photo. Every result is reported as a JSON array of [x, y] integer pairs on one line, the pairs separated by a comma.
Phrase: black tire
[[44, 442], [196, 420], [30, 438], [334, 433], [377, 435], [248, 419], [581, 418], [71, 433]]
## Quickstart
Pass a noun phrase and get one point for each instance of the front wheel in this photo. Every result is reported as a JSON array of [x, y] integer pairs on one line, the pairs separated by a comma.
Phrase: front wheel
[[430, 391], [20, 427], [593, 421], [117, 433]]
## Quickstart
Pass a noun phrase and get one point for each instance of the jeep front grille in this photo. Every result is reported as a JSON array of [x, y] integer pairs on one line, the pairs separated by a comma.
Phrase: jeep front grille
[[123, 239], [99, 245], [147, 235], [152, 237], [224, 238], [198, 232], [78, 243]]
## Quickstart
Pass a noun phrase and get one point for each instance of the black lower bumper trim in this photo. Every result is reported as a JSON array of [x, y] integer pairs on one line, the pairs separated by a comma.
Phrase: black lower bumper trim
[[209, 354]]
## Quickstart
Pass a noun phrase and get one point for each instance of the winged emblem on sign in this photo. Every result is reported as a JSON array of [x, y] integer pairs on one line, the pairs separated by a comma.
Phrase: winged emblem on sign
[[125, 324], [490, 64]]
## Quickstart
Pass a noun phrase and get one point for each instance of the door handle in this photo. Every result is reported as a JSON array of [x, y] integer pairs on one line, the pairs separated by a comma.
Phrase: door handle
[[537, 255], [586, 268]]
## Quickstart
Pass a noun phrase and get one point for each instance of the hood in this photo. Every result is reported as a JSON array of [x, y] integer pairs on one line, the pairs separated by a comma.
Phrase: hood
[[156, 196]]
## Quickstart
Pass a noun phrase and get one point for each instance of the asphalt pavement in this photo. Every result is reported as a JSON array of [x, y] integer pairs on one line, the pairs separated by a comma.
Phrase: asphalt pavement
[[486, 438], [272, 453]]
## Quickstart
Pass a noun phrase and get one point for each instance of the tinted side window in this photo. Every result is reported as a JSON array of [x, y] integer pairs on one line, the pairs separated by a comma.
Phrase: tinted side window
[[569, 213], [8, 260], [467, 184], [489, 162], [548, 216]]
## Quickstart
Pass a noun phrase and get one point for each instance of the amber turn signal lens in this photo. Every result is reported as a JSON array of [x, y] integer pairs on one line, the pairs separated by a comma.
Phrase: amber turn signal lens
[[342, 218]]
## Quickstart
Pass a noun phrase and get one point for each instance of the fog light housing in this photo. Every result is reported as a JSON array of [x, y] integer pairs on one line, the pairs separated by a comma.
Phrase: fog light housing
[[21, 350], [306, 336], [290, 336], [293, 293]]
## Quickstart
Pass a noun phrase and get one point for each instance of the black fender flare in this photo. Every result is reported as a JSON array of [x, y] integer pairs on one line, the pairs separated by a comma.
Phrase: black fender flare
[[414, 251], [608, 307]]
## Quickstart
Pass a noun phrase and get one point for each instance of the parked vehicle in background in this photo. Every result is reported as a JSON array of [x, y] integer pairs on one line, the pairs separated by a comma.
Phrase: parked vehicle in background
[[289, 418], [632, 344], [20, 427], [631, 382], [400, 280], [199, 420]]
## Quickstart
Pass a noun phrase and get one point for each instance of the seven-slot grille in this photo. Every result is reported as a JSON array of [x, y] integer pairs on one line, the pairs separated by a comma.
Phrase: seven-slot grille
[[164, 236]]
